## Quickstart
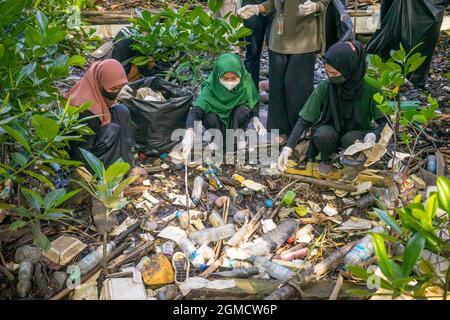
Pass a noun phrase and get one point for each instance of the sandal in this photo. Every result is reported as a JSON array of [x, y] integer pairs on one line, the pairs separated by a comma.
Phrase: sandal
[[180, 265]]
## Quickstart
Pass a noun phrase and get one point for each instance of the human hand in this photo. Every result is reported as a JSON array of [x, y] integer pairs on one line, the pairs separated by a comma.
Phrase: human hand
[[248, 11], [283, 158], [308, 8]]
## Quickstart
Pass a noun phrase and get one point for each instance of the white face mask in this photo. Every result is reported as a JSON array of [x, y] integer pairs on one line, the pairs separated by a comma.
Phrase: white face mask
[[230, 85]]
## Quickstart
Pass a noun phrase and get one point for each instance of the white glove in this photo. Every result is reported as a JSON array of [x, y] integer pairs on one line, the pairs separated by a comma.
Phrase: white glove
[[188, 143], [370, 137], [259, 127], [125, 93], [283, 158], [308, 8], [248, 11]]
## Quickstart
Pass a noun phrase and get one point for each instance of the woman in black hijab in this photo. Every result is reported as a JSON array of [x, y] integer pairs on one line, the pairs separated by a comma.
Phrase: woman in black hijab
[[340, 110]]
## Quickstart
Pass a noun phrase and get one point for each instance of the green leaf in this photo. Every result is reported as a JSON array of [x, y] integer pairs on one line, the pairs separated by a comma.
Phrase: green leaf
[[40, 177], [125, 183], [40, 239], [22, 212], [378, 98], [443, 184], [46, 128], [17, 136], [19, 159], [214, 5], [7, 206], [431, 208], [77, 61], [95, 163], [116, 171], [34, 200], [25, 72], [18, 224], [387, 219], [413, 251], [140, 61], [52, 196], [381, 254], [66, 197], [42, 21], [64, 162]]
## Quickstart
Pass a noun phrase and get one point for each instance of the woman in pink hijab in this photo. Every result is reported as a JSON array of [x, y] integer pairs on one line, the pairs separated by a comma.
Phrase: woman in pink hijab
[[104, 83]]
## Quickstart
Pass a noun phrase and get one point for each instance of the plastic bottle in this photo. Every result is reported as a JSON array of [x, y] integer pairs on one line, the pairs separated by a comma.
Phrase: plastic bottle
[[210, 174], [197, 189], [183, 217], [240, 217], [94, 258], [273, 269], [431, 163], [274, 238], [363, 250], [192, 253], [234, 264], [212, 234], [237, 197], [216, 219], [24, 280]]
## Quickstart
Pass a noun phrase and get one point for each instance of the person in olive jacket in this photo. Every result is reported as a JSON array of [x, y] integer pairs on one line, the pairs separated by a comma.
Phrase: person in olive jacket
[[297, 34]]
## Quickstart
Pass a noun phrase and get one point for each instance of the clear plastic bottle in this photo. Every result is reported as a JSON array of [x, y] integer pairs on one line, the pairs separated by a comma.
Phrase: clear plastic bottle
[[95, 257], [273, 269], [197, 189], [192, 253], [274, 238], [212, 234], [216, 219], [183, 217], [363, 250], [234, 264]]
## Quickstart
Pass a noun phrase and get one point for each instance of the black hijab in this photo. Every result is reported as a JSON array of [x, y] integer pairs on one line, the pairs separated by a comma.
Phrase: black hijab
[[340, 111]]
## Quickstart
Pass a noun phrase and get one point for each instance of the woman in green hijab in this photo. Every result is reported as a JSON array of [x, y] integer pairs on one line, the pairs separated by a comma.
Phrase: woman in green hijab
[[228, 100]]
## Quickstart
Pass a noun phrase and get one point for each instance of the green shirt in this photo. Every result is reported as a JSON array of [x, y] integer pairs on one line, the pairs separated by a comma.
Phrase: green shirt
[[313, 107], [302, 34]]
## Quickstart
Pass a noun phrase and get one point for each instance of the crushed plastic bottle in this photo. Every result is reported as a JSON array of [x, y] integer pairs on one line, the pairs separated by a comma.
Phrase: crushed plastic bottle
[[26, 256], [212, 234], [184, 218], [241, 216], [274, 238], [235, 196], [192, 253], [94, 258], [363, 250], [216, 219], [431, 163], [274, 270], [234, 264], [197, 189]]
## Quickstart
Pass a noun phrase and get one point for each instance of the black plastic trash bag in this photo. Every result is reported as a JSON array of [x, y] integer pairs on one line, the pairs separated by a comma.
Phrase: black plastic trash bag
[[153, 122], [339, 25], [409, 22]]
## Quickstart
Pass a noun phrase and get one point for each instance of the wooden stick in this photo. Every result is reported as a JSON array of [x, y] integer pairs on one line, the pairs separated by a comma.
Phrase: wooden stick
[[322, 183], [337, 287]]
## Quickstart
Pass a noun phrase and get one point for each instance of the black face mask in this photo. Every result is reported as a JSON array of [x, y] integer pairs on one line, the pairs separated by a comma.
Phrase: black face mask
[[109, 95], [337, 80]]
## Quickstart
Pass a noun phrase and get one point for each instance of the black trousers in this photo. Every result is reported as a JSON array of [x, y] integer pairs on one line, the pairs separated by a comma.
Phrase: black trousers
[[326, 141], [333, 20], [291, 78], [240, 118], [110, 142], [260, 26]]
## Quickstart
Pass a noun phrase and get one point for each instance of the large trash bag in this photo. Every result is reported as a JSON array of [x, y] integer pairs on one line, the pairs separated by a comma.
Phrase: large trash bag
[[409, 22], [339, 25], [153, 122]]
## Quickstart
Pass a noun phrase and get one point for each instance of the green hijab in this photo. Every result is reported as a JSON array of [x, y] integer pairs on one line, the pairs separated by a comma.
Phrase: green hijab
[[214, 97]]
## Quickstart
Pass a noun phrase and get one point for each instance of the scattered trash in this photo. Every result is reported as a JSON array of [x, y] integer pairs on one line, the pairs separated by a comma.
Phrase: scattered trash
[[158, 271], [363, 250], [122, 289]]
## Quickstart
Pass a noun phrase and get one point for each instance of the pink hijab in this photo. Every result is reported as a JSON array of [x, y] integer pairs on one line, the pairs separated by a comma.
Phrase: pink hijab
[[108, 74]]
